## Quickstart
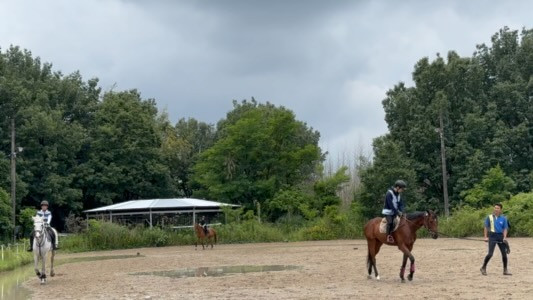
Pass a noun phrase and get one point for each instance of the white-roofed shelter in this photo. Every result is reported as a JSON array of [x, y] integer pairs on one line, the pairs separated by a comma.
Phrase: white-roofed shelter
[[177, 212]]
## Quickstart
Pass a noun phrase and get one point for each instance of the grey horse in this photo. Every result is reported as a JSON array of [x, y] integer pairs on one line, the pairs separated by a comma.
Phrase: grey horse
[[42, 244]]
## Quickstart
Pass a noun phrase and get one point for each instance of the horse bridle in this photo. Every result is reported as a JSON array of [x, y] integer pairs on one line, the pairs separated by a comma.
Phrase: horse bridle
[[41, 238], [426, 223], [427, 215]]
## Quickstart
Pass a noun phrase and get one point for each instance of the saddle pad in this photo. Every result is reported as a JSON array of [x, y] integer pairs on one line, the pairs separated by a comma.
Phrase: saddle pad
[[383, 225]]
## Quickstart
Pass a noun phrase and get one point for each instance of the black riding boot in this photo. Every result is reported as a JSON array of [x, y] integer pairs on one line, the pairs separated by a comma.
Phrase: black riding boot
[[30, 249], [390, 226], [53, 238]]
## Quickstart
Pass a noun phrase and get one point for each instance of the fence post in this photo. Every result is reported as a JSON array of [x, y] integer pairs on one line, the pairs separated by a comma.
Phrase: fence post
[[2, 252]]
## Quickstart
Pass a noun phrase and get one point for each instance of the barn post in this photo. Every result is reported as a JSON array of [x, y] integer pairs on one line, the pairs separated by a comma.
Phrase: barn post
[[150, 218], [193, 216]]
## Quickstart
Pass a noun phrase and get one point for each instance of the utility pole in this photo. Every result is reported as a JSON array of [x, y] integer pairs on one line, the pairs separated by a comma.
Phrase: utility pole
[[444, 171], [13, 178]]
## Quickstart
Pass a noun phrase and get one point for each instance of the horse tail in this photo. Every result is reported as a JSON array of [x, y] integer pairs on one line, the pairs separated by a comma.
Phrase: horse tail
[[215, 233]]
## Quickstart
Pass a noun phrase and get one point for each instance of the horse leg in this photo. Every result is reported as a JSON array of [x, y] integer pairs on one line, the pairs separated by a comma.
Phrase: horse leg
[[376, 251], [52, 273], [43, 271], [407, 253], [369, 257], [373, 249], [412, 266], [36, 264], [402, 269]]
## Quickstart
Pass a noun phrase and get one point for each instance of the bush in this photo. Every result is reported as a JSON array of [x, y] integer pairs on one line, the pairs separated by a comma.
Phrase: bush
[[465, 221], [519, 212]]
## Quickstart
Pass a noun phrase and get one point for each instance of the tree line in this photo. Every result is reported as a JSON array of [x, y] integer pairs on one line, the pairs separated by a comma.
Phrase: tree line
[[85, 148]]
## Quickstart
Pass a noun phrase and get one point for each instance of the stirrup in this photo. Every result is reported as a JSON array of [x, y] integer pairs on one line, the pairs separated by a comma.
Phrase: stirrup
[[390, 238]]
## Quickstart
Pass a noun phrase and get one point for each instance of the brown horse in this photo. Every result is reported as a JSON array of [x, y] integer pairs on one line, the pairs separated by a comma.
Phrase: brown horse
[[404, 238], [202, 236]]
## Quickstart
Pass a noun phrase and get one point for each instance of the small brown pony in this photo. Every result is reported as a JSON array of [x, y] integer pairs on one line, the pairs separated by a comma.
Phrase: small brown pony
[[201, 236], [404, 238]]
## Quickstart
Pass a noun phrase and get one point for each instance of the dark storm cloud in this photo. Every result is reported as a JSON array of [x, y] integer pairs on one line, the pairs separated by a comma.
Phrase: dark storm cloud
[[331, 62]]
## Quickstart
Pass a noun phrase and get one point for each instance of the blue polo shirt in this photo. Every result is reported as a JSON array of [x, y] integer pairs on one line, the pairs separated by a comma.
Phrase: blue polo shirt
[[500, 223]]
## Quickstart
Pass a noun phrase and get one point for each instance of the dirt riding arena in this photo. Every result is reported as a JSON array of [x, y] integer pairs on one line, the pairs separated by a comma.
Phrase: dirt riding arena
[[445, 269]]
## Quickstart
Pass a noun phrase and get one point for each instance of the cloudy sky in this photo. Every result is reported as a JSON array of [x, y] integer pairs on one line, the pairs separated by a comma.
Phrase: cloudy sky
[[330, 62]]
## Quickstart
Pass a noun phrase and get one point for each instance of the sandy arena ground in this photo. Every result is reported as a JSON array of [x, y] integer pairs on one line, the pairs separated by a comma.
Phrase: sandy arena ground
[[446, 269]]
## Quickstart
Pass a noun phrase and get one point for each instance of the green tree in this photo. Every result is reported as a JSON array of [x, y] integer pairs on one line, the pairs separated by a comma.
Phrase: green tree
[[181, 147], [494, 187], [124, 159], [51, 112], [6, 226], [260, 149], [390, 164], [484, 103]]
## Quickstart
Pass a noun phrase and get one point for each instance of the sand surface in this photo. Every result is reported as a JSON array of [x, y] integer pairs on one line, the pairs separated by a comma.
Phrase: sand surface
[[445, 269]]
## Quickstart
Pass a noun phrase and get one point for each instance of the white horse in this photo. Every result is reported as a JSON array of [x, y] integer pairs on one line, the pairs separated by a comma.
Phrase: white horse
[[42, 244]]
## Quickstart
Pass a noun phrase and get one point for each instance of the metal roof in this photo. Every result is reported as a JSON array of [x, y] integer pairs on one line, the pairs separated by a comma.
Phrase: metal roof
[[154, 204]]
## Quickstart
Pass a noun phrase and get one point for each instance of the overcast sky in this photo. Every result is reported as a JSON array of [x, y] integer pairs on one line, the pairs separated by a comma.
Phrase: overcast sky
[[331, 62]]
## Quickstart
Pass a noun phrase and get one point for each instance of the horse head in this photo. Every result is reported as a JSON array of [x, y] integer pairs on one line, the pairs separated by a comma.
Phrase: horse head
[[431, 223], [38, 225]]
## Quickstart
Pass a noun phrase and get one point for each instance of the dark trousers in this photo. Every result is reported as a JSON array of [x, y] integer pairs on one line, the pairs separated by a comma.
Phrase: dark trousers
[[496, 239], [390, 223]]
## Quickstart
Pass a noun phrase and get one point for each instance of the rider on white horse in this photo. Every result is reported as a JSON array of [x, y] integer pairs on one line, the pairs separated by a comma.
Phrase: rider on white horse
[[47, 218]]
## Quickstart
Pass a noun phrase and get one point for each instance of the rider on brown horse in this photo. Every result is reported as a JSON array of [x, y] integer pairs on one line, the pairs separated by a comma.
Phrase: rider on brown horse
[[393, 206], [203, 222]]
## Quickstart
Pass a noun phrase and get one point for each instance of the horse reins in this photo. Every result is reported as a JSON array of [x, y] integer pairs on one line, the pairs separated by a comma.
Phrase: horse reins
[[42, 239], [426, 225], [448, 236]]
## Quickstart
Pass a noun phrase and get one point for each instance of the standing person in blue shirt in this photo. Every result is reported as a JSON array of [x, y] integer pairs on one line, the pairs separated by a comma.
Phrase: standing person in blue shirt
[[495, 232], [393, 206]]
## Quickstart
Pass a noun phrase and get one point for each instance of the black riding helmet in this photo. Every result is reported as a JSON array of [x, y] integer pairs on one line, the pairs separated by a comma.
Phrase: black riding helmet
[[400, 184]]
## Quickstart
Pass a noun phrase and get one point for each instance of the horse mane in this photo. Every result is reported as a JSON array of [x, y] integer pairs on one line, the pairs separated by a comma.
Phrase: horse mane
[[416, 215]]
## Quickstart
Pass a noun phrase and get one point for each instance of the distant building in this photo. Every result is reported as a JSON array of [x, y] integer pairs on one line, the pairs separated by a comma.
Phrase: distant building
[[176, 213]]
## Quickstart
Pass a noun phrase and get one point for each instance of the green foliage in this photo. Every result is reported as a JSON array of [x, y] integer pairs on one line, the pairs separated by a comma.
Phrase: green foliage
[[468, 221], [260, 149], [249, 231], [6, 226], [485, 106], [107, 236], [336, 224], [25, 219], [180, 148], [390, 165], [519, 212], [464, 221], [494, 187], [14, 258], [290, 202], [124, 159]]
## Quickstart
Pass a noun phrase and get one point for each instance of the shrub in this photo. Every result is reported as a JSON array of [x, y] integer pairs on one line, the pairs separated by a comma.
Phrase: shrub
[[519, 212], [465, 221]]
